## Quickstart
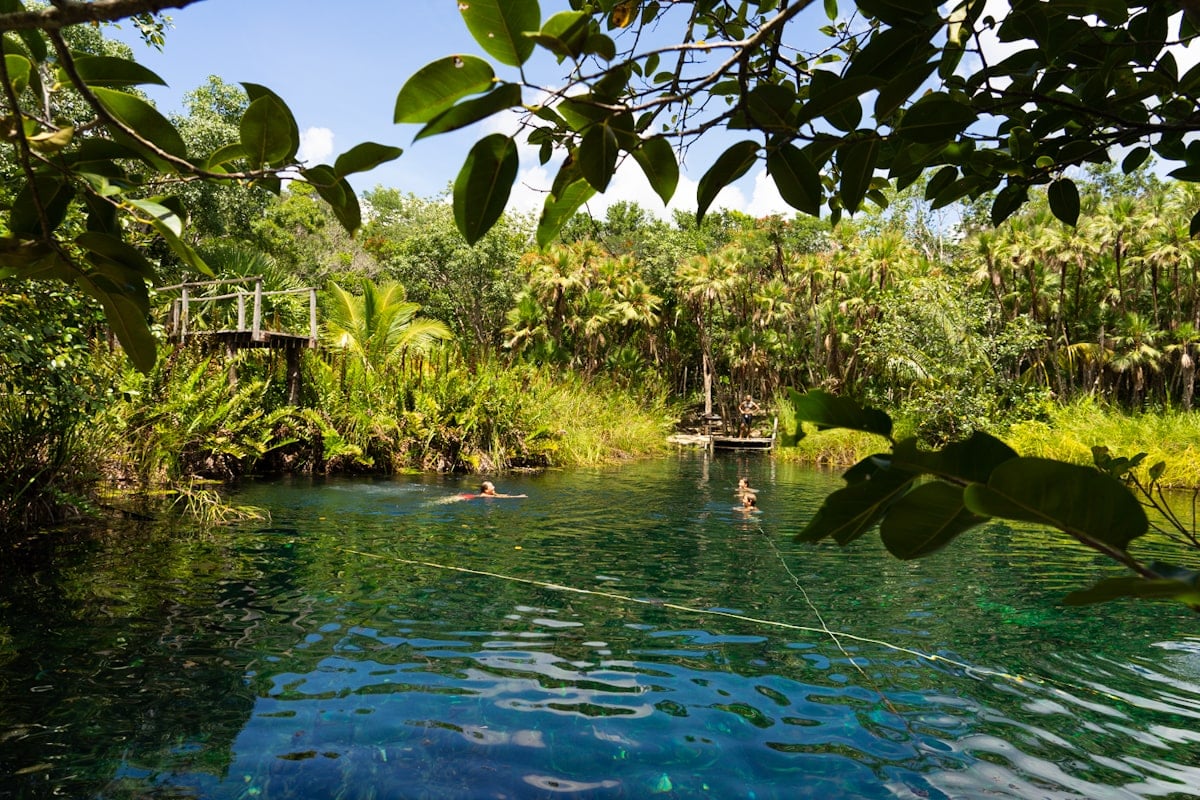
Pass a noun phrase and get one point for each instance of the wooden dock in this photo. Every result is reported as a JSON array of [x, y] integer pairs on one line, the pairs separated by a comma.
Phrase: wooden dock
[[248, 331]]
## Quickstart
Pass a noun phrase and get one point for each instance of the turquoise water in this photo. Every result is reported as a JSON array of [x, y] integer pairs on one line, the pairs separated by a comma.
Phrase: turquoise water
[[619, 633]]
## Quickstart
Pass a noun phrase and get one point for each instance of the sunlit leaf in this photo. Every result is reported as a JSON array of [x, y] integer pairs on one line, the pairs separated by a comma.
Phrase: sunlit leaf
[[19, 69], [53, 141], [224, 155], [112, 71], [483, 185], [499, 27], [560, 207], [468, 112], [364, 157], [565, 34], [266, 134], [169, 225], [623, 13], [438, 85], [143, 119], [127, 321], [255, 91]]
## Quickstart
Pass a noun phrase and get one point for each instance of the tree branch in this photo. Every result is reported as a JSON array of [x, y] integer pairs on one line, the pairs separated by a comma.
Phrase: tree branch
[[66, 13]]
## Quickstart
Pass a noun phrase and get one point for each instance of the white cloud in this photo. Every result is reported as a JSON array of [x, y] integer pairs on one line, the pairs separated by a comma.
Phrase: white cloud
[[316, 145]]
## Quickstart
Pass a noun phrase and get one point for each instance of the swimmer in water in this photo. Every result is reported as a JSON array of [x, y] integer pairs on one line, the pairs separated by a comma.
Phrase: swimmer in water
[[749, 503], [743, 488], [488, 489]]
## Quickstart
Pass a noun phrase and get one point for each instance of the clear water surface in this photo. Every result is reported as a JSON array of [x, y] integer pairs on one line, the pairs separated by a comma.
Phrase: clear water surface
[[619, 633]]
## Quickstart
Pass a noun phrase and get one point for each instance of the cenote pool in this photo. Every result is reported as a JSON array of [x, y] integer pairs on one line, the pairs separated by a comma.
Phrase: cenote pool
[[619, 633]]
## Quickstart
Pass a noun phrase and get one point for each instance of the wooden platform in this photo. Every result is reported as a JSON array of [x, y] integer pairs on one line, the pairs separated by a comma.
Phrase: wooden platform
[[238, 340], [743, 442]]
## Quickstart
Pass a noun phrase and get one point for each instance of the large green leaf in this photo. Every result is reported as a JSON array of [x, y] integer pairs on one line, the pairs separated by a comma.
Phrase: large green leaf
[[1079, 500], [337, 192], [729, 166], [483, 185], [143, 119], [829, 94], [255, 91], [126, 319], [364, 157], [935, 118], [925, 520], [797, 179], [851, 511], [657, 160], [225, 154], [970, 461], [826, 410], [266, 133], [899, 12], [597, 154], [499, 27], [19, 69], [113, 71], [1064, 200], [468, 112], [51, 195], [116, 250], [772, 107], [169, 225], [1007, 201], [440, 84], [856, 161], [561, 206], [565, 34]]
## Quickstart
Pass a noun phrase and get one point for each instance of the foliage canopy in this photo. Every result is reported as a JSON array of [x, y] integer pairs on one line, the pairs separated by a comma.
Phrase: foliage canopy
[[877, 93]]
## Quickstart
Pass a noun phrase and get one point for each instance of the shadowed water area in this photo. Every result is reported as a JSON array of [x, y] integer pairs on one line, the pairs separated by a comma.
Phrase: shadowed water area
[[619, 633]]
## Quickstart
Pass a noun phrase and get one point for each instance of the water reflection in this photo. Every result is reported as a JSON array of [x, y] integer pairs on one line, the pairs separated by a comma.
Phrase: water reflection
[[617, 633]]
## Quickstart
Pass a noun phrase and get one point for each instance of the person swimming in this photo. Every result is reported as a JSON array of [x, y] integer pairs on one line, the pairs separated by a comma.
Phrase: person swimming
[[743, 487], [488, 489], [749, 503]]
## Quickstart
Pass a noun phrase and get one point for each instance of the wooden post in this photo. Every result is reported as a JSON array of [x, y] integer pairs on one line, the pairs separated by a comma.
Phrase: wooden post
[[256, 332], [293, 375], [241, 298], [183, 298], [312, 317], [230, 353]]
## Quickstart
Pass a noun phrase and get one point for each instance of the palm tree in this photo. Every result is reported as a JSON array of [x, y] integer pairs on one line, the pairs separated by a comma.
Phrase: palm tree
[[379, 326]]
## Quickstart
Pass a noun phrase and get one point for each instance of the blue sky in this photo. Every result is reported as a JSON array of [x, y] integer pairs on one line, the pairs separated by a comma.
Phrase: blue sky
[[340, 71]]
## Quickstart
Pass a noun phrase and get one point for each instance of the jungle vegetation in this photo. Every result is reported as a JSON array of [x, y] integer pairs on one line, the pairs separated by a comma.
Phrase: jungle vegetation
[[1061, 277]]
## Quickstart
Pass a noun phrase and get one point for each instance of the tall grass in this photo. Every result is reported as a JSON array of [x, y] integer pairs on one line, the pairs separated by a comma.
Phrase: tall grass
[[1166, 435]]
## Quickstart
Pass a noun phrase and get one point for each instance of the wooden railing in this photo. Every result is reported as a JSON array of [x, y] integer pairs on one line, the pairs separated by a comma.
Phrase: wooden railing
[[181, 308]]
